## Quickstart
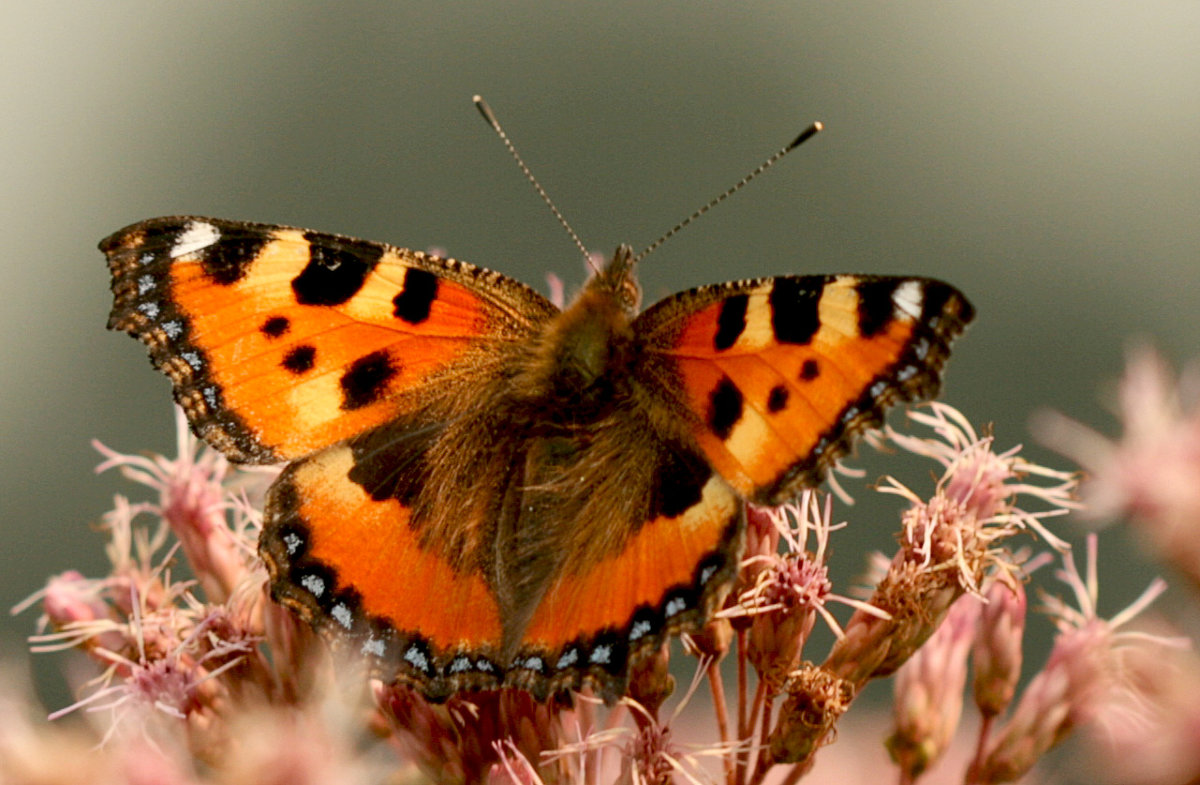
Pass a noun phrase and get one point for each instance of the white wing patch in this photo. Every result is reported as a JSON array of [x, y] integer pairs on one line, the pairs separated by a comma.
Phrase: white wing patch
[[908, 298], [196, 236]]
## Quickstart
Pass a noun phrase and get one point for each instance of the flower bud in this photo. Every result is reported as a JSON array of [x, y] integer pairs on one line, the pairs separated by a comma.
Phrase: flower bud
[[997, 651], [929, 691]]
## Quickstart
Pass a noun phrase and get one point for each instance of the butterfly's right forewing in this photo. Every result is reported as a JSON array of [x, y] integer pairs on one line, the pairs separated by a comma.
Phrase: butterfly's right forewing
[[775, 376]]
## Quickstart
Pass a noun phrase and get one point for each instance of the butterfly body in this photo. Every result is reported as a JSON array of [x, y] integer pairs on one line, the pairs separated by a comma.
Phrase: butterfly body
[[484, 490]]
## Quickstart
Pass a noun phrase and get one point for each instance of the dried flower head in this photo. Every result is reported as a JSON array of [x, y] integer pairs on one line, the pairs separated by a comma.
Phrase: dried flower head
[[949, 542]]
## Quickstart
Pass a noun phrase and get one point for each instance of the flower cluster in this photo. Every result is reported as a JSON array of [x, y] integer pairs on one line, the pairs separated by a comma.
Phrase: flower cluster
[[1150, 478], [198, 677], [1151, 475]]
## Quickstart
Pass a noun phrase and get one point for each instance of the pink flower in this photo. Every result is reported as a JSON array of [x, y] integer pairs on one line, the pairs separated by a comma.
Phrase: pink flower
[[1152, 733], [787, 591], [1152, 472], [647, 753], [949, 542], [997, 651], [192, 502], [983, 486], [178, 683], [1085, 675], [457, 740]]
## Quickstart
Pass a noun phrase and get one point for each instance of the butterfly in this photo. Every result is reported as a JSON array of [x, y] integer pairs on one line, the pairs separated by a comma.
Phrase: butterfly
[[483, 490]]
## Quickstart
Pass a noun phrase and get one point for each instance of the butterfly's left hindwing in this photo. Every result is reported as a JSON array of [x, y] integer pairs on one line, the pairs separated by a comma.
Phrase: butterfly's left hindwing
[[353, 565], [282, 341], [776, 376]]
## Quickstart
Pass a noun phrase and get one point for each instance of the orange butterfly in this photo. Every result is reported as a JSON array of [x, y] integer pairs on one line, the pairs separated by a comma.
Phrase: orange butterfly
[[486, 491]]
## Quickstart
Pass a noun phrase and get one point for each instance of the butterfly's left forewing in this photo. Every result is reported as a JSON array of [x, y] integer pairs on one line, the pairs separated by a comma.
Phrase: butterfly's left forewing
[[774, 377], [282, 341]]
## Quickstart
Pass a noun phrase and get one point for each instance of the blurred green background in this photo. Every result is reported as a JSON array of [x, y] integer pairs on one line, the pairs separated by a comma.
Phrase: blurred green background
[[1040, 156]]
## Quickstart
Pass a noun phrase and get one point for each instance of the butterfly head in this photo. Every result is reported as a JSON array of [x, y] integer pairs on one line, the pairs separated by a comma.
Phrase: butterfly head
[[618, 278]]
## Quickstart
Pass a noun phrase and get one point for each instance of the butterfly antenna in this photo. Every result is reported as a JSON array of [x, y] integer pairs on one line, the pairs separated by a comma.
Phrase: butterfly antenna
[[486, 111], [805, 135]]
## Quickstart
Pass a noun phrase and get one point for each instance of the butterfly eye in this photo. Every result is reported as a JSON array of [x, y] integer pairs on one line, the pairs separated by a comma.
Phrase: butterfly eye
[[631, 294]]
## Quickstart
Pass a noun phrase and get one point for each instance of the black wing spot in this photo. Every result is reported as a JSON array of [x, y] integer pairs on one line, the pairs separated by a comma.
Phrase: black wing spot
[[876, 308], [731, 322], [678, 483], [300, 359], [420, 290], [795, 315], [275, 327], [777, 399], [390, 463], [334, 273], [724, 407], [226, 261], [366, 380], [809, 370]]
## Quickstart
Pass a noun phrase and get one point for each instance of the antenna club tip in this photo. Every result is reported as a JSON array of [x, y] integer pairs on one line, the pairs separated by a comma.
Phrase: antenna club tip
[[485, 110], [806, 134]]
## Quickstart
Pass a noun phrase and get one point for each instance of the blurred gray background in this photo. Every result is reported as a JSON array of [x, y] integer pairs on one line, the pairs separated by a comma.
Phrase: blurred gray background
[[1040, 156]]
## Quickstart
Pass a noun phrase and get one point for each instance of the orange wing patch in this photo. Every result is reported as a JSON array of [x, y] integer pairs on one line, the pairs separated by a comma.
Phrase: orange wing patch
[[306, 377], [670, 575], [662, 554], [281, 341], [353, 566], [779, 374]]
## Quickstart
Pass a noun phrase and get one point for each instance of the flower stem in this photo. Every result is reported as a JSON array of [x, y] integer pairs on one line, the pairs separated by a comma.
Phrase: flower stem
[[985, 728], [718, 694]]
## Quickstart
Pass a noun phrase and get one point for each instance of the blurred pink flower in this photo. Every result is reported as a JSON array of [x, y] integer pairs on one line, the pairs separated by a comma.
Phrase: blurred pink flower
[[193, 503], [1085, 676], [1151, 736], [997, 651], [1151, 474]]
